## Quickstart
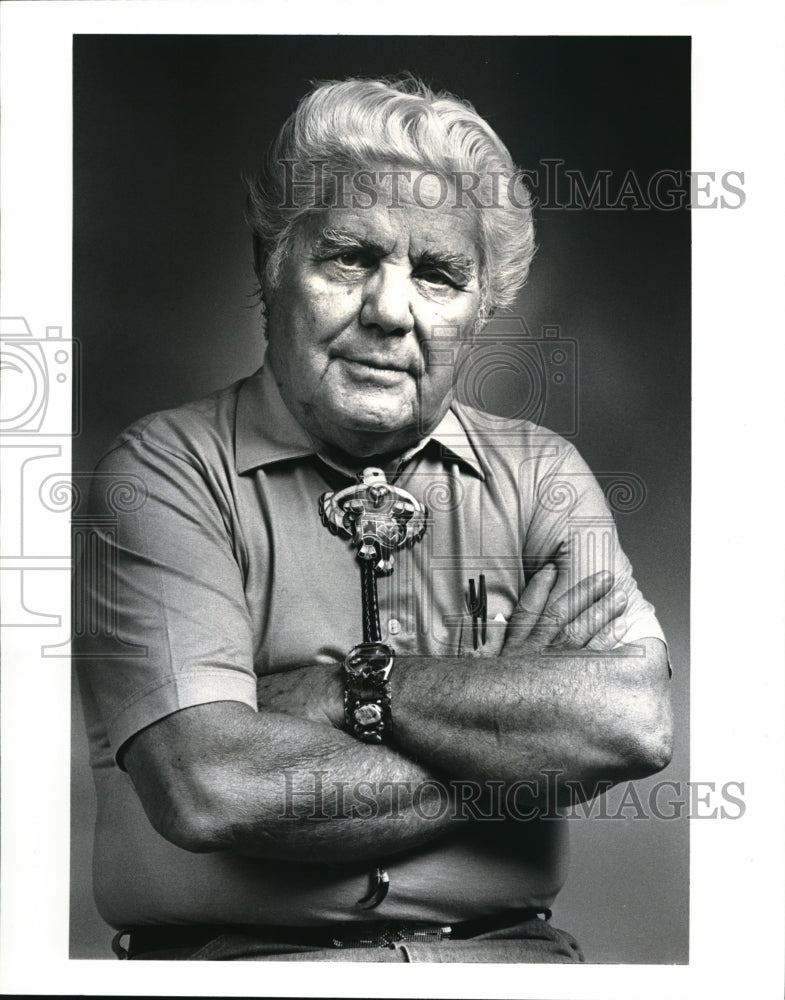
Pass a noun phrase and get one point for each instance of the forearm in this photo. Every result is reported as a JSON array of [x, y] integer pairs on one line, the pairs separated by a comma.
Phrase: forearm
[[269, 785], [589, 717]]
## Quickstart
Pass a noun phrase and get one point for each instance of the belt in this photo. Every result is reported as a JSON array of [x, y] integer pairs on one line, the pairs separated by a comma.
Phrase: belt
[[355, 934]]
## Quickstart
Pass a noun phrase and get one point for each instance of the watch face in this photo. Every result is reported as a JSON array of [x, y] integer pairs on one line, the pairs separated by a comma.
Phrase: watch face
[[374, 655]]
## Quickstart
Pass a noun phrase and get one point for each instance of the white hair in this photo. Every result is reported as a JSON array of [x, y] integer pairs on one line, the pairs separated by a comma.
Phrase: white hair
[[355, 124]]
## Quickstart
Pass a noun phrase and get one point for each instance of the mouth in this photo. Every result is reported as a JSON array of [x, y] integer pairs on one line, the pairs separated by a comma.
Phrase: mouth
[[376, 369]]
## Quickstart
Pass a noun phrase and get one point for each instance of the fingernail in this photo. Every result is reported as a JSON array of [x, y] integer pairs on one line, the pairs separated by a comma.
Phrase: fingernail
[[619, 598], [549, 568]]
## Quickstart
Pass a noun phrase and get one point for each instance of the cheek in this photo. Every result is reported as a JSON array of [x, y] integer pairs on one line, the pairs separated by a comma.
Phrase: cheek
[[438, 381], [459, 312], [450, 327], [327, 312]]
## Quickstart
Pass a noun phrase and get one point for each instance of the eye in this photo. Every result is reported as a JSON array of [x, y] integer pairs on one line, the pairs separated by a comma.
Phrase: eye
[[434, 276], [353, 259]]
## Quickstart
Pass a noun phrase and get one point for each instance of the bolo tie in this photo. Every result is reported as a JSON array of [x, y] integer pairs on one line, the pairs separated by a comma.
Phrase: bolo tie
[[379, 518]]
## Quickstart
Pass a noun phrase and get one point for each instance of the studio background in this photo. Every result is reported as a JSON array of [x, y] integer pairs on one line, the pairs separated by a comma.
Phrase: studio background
[[164, 129]]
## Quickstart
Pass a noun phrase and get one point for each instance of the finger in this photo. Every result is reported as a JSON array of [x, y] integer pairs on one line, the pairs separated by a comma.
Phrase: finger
[[532, 602], [608, 637], [593, 620], [535, 594], [566, 609]]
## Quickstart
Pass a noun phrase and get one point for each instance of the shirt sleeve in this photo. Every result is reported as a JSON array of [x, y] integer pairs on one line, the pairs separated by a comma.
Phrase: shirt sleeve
[[166, 588], [567, 505]]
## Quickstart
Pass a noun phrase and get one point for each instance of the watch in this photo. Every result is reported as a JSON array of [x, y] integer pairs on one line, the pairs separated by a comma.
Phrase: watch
[[366, 693]]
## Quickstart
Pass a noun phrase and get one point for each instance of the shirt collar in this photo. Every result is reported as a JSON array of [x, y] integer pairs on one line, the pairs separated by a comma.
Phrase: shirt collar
[[451, 438], [266, 431]]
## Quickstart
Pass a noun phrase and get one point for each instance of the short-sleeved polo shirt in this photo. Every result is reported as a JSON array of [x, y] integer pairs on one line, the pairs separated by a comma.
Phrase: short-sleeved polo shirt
[[223, 571]]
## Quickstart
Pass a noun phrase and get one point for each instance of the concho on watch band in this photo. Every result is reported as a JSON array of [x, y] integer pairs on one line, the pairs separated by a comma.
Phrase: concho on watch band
[[366, 695]]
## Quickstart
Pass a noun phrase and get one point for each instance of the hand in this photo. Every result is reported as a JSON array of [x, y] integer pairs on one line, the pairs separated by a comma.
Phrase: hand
[[314, 693], [585, 617]]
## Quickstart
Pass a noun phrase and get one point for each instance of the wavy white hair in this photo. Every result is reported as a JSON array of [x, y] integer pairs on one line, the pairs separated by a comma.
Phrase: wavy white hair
[[356, 124]]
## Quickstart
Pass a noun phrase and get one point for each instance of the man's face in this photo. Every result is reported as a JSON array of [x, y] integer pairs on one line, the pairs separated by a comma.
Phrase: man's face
[[361, 291]]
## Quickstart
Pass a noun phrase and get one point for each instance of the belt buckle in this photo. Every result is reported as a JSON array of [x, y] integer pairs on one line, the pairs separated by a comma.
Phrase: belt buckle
[[389, 935]]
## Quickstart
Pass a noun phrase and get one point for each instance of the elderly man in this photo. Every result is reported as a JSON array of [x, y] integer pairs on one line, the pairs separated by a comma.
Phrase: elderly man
[[374, 641]]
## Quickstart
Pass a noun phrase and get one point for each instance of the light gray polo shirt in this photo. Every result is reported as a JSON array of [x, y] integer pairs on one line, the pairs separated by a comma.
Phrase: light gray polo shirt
[[220, 570]]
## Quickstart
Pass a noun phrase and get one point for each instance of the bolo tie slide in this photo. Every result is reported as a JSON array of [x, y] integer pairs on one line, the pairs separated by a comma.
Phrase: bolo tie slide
[[379, 518]]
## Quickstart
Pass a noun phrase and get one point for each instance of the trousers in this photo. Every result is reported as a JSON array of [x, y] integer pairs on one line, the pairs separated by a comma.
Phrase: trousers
[[529, 940]]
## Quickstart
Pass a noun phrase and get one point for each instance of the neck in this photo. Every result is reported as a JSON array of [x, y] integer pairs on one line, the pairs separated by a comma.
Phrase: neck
[[353, 464]]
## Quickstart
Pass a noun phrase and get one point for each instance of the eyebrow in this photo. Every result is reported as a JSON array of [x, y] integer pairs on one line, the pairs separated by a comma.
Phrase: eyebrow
[[337, 239], [461, 266]]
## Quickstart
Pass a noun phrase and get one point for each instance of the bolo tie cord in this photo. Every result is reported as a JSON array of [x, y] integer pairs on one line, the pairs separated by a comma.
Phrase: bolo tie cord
[[380, 880], [370, 602]]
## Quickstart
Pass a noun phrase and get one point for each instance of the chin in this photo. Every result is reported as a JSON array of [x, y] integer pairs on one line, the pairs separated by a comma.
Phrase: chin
[[363, 438], [381, 420]]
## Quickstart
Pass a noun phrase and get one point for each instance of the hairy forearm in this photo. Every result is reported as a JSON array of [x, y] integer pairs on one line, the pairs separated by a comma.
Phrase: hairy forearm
[[286, 781], [270, 785], [589, 717]]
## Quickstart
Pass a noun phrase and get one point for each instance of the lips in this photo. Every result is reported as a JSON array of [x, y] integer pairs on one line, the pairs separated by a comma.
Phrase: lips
[[373, 369], [380, 363]]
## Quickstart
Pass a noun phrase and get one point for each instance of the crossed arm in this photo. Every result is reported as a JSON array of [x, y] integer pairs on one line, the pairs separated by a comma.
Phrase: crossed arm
[[557, 696]]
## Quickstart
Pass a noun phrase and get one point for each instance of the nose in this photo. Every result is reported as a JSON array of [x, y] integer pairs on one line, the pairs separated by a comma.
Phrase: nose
[[387, 303]]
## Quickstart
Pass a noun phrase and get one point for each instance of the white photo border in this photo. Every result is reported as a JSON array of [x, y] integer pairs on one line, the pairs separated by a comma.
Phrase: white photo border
[[736, 890]]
